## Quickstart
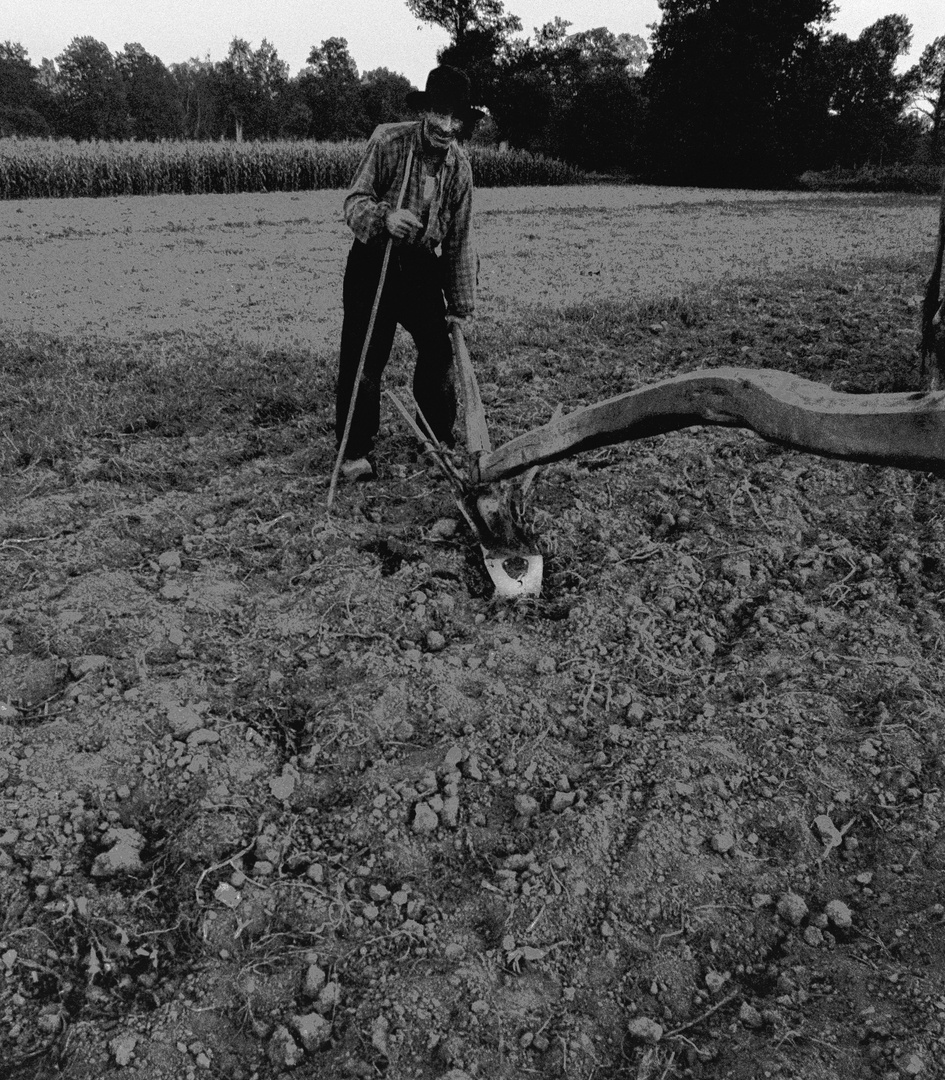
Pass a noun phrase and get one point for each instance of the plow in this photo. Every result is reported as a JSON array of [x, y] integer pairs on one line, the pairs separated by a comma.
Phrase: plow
[[489, 484], [899, 430]]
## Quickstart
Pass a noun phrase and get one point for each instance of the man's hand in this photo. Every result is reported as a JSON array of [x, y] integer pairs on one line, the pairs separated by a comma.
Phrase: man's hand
[[402, 224], [464, 322]]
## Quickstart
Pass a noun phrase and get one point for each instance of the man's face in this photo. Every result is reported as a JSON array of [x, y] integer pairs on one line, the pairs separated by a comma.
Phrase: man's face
[[441, 126]]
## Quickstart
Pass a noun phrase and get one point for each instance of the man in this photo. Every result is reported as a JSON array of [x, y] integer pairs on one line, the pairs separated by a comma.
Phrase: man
[[435, 213]]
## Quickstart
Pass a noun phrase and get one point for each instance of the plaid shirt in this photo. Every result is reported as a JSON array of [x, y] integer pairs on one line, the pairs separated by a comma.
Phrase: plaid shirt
[[376, 187]]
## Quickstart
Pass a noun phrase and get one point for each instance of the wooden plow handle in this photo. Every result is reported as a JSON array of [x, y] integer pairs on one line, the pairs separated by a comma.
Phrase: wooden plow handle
[[368, 334], [902, 430], [474, 415]]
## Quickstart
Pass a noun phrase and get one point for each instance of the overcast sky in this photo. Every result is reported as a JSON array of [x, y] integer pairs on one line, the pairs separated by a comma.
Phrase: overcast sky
[[380, 33]]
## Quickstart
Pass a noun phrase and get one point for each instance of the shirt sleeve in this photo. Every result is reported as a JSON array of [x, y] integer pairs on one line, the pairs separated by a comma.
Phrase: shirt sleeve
[[461, 261], [365, 212]]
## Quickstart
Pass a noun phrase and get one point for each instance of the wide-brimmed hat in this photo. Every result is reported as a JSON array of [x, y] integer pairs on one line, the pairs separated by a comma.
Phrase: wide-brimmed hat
[[448, 90]]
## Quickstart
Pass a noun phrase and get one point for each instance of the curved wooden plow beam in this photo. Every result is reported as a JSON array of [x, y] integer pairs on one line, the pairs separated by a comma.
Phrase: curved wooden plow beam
[[902, 430]]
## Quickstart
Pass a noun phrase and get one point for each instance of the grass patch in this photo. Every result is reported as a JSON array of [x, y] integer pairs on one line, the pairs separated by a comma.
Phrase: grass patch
[[62, 398], [915, 179]]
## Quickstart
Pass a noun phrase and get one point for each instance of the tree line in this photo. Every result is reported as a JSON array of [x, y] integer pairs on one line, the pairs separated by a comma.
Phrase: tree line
[[724, 91], [88, 92]]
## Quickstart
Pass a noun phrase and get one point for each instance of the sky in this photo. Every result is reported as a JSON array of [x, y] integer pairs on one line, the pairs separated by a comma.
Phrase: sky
[[380, 33]]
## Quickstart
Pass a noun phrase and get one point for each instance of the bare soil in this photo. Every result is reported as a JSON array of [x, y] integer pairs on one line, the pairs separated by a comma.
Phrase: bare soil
[[266, 268], [290, 794]]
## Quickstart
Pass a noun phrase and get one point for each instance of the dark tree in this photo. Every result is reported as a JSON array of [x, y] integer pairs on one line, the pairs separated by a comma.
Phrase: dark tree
[[527, 96], [601, 50], [26, 105], [866, 110], [602, 122], [92, 92], [237, 87], [152, 95], [201, 96], [459, 18], [270, 77], [295, 117], [575, 96], [332, 92], [720, 87], [480, 34], [523, 106], [927, 85], [252, 87], [478, 55], [384, 96]]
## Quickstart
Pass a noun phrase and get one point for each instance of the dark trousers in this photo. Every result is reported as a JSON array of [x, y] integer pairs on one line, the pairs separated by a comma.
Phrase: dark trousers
[[413, 297]]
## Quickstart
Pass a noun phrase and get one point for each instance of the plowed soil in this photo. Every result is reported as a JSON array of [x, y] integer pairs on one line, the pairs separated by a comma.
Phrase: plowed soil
[[288, 793]]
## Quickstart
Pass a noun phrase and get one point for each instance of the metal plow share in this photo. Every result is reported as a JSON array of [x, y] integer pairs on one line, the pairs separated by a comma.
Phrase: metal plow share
[[905, 430], [514, 566]]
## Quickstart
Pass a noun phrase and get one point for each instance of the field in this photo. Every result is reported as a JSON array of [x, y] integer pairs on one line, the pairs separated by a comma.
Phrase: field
[[284, 793]]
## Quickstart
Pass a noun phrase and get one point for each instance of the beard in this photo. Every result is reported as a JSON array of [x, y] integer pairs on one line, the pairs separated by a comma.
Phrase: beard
[[436, 137]]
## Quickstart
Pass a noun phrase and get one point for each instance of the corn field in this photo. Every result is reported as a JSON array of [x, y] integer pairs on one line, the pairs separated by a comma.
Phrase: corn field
[[45, 168], [518, 168]]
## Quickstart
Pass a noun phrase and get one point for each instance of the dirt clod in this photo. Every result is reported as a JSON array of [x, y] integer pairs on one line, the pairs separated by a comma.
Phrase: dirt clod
[[645, 1030], [839, 914], [283, 1051], [122, 857], [792, 908], [312, 1029]]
